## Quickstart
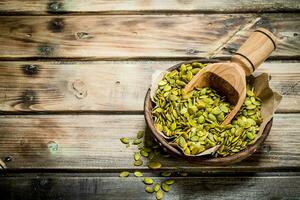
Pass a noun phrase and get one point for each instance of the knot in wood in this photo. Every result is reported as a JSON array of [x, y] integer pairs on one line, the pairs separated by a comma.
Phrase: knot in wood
[[8, 158], [56, 25], [30, 69], [45, 50], [80, 89], [192, 51], [55, 6], [52, 146]]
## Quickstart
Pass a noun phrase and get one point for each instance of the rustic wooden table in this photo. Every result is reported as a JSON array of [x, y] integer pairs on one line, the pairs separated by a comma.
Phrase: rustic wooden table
[[73, 76]]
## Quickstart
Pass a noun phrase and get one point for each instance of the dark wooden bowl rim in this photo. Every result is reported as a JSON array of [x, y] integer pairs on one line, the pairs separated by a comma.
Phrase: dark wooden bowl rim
[[205, 160]]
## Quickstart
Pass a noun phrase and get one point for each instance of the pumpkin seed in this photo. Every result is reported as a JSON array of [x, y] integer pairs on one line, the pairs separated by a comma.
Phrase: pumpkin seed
[[156, 187], [183, 174], [140, 134], [124, 140], [170, 181], [165, 187], [159, 195], [166, 174], [148, 181], [124, 174], [138, 163], [154, 165], [149, 189], [136, 141], [138, 174], [144, 153], [136, 156]]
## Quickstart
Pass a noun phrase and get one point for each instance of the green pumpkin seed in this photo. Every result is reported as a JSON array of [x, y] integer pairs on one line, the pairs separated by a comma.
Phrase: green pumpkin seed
[[149, 189], [144, 153], [138, 163], [138, 174], [136, 156], [136, 141], [124, 140], [154, 165], [148, 181], [165, 187], [156, 187], [166, 174], [124, 174], [140, 134], [159, 195], [170, 181], [183, 174]]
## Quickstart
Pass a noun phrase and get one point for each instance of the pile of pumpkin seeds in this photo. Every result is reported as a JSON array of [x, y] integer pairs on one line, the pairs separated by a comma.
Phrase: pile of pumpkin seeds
[[193, 120]]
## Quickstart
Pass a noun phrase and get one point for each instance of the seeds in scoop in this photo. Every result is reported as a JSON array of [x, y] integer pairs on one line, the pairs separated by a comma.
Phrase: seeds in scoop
[[154, 165], [137, 156], [159, 195], [166, 174], [165, 187], [138, 163], [149, 189], [140, 134], [156, 187], [148, 181], [136, 142], [138, 174], [170, 181], [124, 174], [124, 140]]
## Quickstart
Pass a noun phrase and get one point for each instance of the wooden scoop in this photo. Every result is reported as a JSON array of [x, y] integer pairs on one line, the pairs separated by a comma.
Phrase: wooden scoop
[[229, 79]]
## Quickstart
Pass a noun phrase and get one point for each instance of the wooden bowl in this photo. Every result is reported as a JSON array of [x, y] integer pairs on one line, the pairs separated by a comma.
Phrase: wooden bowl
[[205, 160]]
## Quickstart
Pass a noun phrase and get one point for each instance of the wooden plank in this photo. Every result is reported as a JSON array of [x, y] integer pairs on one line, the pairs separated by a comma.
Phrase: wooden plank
[[87, 186], [108, 85], [42, 6], [91, 142], [140, 36]]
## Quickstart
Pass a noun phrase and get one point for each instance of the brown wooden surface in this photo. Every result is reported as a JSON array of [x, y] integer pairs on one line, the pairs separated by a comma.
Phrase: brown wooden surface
[[42, 6], [141, 36], [102, 186], [76, 106], [91, 142], [108, 85]]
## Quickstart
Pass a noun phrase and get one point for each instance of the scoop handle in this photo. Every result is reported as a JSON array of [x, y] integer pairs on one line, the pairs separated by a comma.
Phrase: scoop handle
[[255, 50]]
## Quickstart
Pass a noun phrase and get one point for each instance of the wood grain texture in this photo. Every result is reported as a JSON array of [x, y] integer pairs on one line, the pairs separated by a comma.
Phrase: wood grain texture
[[92, 142], [87, 186], [108, 85], [42, 6], [141, 36]]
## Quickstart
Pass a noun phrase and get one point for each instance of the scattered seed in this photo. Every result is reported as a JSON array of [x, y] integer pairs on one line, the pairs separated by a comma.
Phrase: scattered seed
[[154, 165], [149, 189], [170, 181], [140, 134], [124, 174], [138, 163], [136, 156], [148, 181], [138, 174], [166, 174], [156, 187], [136, 141], [159, 195], [125, 140], [165, 187], [183, 173]]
